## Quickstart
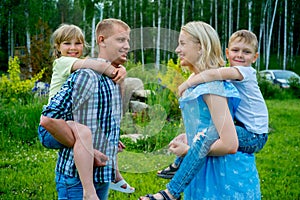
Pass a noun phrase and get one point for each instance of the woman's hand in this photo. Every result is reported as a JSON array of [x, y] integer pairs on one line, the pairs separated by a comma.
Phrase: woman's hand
[[180, 138], [179, 148]]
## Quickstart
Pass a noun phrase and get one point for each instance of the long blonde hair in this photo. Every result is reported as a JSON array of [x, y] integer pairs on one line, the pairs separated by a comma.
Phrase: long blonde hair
[[66, 32], [211, 52]]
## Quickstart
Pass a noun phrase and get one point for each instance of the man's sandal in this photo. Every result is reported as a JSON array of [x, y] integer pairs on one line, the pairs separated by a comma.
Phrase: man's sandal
[[163, 194], [168, 173]]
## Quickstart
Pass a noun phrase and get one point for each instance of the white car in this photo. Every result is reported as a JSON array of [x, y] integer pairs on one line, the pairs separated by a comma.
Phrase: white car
[[279, 77]]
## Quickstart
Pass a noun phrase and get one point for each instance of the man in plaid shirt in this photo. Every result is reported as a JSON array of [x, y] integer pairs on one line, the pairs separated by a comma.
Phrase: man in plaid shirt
[[94, 100]]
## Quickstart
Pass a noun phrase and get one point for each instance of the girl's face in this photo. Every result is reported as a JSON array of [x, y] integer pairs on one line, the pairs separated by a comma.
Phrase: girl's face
[[188, 51], [72, 48], [240, 53]]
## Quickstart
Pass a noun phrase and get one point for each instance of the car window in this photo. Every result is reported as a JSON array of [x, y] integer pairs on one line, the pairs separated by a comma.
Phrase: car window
[[284, 75]]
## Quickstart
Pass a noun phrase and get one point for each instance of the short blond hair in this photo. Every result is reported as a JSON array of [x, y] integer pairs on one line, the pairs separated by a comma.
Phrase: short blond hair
[[212, 56], [105, 27], [246, 36], [66, 32]]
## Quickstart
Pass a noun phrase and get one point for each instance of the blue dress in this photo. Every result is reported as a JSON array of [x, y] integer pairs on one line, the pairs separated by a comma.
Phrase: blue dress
[[233, 176]]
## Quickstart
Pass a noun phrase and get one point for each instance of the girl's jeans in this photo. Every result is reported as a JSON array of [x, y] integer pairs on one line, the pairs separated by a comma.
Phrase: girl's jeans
[[48, 140], [195, 158], [70, 188]]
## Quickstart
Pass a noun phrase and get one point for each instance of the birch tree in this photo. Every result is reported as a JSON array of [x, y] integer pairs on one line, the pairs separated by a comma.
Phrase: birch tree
[[142, 35], [285, 35], [157, 60], [261, 30], [250, 15], [270, 37], [230, 18], [238, 15], [216, 15], [291, 35]]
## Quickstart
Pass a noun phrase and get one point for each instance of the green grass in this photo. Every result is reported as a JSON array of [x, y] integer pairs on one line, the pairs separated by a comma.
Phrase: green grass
[[27, 169]]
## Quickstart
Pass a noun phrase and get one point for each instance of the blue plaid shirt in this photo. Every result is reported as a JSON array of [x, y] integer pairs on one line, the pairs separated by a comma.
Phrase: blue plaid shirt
[[95, 101]]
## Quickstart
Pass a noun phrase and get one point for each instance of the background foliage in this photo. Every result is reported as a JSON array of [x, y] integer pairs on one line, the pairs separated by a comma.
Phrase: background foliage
[[26, 26]]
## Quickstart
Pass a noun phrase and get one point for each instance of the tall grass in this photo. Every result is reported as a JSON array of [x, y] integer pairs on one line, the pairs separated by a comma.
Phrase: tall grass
[[27, 169]]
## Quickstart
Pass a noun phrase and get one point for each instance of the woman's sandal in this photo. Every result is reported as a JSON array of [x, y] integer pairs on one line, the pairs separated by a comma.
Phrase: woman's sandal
[[168, 173], [163, 193]]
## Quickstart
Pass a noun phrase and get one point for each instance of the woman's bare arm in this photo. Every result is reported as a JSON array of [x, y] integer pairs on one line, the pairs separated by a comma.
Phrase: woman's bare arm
[[220, 114]]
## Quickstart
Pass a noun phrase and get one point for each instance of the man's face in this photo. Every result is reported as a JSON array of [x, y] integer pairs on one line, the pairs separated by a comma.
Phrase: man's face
[[117, 45]]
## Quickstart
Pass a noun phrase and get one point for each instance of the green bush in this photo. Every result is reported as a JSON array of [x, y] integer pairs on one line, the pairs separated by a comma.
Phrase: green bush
[[12, 88], [272, 91]]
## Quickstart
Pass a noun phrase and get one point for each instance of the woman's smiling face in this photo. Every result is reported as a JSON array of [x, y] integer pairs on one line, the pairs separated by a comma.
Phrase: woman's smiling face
[[188, 50]]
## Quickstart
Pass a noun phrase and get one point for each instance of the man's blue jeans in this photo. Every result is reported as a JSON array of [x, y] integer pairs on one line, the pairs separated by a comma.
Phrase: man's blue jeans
[[71, 188]]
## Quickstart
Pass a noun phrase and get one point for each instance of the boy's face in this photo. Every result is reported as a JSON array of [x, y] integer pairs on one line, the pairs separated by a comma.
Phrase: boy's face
[[240, 53], [73, 48], [116, 46]]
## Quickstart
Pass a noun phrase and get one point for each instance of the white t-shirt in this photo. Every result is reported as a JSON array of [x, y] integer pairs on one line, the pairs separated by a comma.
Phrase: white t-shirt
[[61, 71], [252, 111]]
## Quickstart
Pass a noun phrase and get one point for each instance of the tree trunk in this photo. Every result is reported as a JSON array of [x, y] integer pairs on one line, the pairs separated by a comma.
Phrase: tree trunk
[[157, 60], [238, 15], [285, 35], [250, 15], [142, 36], [230, 18], [270, 37], [216, 15], [183, 14]]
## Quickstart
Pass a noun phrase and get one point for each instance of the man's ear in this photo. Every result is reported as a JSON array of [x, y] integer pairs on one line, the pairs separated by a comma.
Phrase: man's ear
[[100, 40]]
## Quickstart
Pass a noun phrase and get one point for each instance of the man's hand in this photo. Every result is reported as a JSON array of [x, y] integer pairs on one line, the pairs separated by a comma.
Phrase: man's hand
[[99, 158], [120, 74]]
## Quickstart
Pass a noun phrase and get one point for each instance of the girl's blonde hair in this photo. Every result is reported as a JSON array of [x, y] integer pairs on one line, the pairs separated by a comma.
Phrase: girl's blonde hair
[[66, 32], [211, 52]]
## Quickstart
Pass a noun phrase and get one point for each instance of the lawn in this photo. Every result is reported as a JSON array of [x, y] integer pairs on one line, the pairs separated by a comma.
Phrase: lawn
[[27, 169]]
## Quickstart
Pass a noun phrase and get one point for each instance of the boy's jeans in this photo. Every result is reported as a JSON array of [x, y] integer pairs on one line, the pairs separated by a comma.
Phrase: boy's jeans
[[192, 162], [71, 188], [250, 142]]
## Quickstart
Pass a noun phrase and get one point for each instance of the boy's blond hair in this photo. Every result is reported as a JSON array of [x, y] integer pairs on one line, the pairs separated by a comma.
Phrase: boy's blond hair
[[245, 36], [66, 32], [211, 51], [105, 27]]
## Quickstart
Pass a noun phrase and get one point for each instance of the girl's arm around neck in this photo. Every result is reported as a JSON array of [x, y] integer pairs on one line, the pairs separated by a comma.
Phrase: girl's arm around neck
[[102, 67]]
